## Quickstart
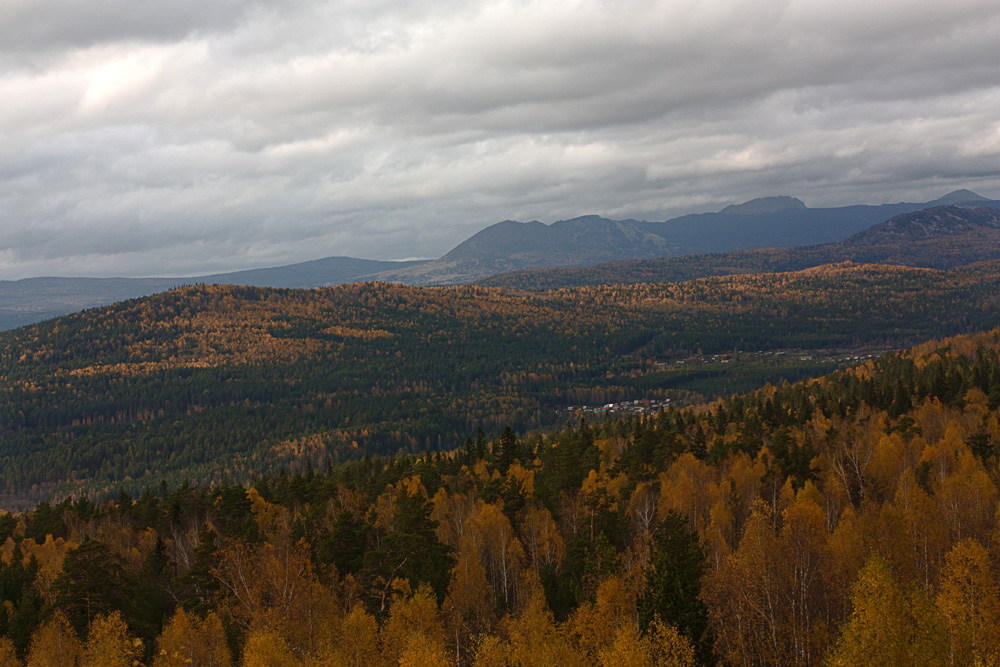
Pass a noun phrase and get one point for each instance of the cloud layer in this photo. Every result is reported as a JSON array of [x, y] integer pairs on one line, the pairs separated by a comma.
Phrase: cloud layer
[[182, 138]]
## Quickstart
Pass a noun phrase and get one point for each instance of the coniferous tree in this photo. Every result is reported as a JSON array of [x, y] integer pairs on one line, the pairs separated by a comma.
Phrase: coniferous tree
[[196, 588], [91, 584], [411, 551], [673, 587]]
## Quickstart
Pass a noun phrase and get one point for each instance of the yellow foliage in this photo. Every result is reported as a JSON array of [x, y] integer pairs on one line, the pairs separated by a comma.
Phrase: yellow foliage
[[887, 627], [8, 656], [492, 651], [412, 486], [524, 477], [413, 620], [687, 488], [743, 476], [54, 644], [188, 641], [421, 653], [663, 646], [470, 601], [451, 512], [970, 601], [267, 648], [719, 534], [967, 498], [535, 639], [109, 645], [359, 644], [810, 492], [273, 585], [7, 551], [542, 541], [500, 551], [911, 533], [743, 594], [50, 556], [595, 624]]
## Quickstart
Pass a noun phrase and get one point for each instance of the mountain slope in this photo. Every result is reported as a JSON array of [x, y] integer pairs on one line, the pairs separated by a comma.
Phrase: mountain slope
[[511, 245], [316, 273], [505, 247], [941, 222], [214, 382], [764, 205], [761, 223], [942, 237]]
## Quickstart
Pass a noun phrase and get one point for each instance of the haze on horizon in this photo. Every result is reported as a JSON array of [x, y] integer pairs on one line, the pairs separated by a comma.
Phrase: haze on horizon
[[186, 138]]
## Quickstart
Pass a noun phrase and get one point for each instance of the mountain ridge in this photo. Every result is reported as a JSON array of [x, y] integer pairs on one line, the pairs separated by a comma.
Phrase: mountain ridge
[[930, 223], [764, 205], [505, 247], [588, 240], [942, 237]]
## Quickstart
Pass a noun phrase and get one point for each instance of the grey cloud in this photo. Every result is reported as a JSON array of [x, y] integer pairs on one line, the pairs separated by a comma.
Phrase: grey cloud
[[279, 131], [30, 26]]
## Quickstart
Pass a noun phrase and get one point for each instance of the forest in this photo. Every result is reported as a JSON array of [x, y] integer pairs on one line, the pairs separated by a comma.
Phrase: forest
[[214, 383], [850, 519]]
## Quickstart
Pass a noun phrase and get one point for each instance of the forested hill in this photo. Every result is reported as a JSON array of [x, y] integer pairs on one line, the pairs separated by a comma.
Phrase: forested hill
[[33, 300], [511, 246], [844, 521], [941, 237], [210, 383], [943, 223]]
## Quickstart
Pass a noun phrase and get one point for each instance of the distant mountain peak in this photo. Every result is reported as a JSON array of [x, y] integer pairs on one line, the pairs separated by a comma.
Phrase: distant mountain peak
[[764, 205], [961, 197]]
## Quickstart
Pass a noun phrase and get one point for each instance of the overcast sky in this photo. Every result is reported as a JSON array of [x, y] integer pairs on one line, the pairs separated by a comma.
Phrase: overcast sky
[[188, 137]]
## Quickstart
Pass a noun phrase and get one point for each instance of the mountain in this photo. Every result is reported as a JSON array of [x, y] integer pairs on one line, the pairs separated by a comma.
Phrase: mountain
[[962, 198], [938, 223], [942, 237], [764, 205], [209, 383], [32, 300], [769, 222], [509, 246]]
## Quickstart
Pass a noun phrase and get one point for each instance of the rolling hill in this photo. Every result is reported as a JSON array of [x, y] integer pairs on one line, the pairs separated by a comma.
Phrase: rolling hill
[[36, 299], [214, 382]]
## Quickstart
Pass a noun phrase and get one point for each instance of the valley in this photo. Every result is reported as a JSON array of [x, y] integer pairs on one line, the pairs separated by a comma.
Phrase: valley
[[209, 383]]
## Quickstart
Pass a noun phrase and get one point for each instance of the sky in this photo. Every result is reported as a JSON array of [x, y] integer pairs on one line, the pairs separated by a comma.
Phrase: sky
[[188, 137]]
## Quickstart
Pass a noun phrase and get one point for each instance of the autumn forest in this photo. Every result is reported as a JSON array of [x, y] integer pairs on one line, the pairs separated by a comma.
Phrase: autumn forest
[[383, 475], [211, 383]]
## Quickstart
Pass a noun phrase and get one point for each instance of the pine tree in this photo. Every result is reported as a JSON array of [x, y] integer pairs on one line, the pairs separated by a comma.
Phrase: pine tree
[[91, 584], [673, 587]]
